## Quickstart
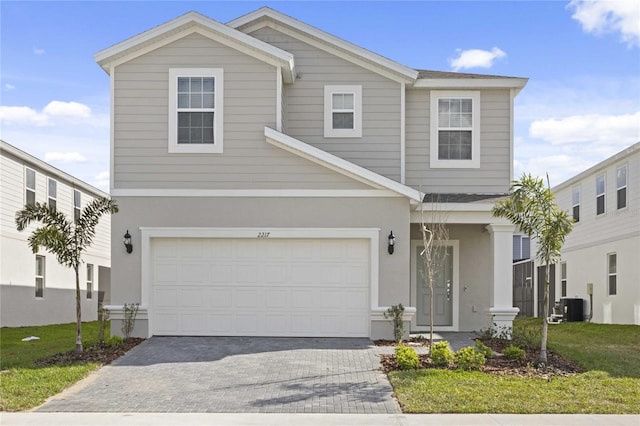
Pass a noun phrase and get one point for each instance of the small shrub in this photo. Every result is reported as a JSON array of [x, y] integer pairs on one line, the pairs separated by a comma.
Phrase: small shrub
[[526, 337], [395, 313], [103, 322], [407, 358], [130, 312], [484, 349], [469, 358], [441, 354], [114, 341], [514, 352]]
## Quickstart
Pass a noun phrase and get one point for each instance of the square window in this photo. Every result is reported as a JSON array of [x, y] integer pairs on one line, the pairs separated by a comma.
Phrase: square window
[[342, 111]]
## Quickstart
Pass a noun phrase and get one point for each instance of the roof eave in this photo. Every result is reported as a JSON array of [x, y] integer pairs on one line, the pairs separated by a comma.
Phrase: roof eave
[[471, 83]]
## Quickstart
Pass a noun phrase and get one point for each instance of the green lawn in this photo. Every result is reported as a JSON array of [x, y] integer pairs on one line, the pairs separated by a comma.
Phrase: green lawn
[[609, 354], [23, 384]]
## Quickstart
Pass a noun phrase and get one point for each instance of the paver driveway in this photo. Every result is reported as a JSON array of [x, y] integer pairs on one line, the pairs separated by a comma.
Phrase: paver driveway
[[237, 374]]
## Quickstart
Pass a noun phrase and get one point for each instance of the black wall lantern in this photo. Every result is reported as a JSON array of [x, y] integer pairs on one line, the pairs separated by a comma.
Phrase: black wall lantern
[[392, 242], [127, 242]]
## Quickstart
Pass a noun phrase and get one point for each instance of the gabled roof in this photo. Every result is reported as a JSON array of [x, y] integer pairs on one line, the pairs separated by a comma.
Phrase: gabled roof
[[347, 49], [195, 22], [340, 165]]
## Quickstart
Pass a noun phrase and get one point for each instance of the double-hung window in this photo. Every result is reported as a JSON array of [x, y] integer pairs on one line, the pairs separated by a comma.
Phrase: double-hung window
[[455, 129], [563, 278], [77, 203], [52, 192], [600, 200], [40, 271], [576, 203], [612, 274], [30, 187], [89, 280], [196, 110], [621, 186], [342, 111]]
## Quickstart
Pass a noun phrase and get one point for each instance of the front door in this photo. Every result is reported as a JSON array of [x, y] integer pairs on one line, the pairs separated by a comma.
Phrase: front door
[[443, 291]]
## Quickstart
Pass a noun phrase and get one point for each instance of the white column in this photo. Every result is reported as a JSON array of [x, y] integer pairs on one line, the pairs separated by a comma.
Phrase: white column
[[501, 286]]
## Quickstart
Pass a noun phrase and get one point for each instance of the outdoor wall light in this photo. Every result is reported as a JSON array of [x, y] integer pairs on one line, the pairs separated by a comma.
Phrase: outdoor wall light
[[392, 242], [127, 242]]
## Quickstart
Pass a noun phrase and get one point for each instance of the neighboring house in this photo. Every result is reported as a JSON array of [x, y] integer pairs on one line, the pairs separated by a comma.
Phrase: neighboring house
[[264, 168], [34, 288], [601, 257]]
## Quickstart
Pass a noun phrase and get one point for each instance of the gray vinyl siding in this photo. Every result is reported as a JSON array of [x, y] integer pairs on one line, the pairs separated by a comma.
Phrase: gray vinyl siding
[[379, 147], [493, 176], [141, 158]]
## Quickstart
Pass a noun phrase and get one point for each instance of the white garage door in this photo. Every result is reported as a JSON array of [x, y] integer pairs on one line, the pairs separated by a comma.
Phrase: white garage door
[[260, 287]]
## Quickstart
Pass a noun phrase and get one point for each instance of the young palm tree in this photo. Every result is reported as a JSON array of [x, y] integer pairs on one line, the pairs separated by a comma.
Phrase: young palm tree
[[66, 239], [531, 208]]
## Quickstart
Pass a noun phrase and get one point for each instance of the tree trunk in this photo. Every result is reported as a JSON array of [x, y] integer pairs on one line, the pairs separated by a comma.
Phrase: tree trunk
[[430, 315], [545, 321], [78, 312]]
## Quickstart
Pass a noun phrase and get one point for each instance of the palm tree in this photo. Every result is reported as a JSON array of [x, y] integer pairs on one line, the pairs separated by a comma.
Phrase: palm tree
[[530, 207], [65, 238]]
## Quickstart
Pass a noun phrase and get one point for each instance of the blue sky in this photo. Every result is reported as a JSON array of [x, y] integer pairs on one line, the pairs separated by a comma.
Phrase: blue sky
[[581, 105]]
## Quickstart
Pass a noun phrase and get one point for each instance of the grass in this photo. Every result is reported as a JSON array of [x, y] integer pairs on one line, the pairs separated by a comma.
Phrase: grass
[[23, 384], [609, 354]]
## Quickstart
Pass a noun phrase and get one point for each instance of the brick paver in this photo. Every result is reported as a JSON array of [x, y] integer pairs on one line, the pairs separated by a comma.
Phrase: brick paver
[[236, 375]]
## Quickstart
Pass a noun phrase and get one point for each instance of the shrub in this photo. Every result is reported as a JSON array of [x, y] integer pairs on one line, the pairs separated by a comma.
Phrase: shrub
[[484, 349], [407, 358], [114, 341], [395, 313], [441, 354], [526, 337], [469, 358], [514, 352]]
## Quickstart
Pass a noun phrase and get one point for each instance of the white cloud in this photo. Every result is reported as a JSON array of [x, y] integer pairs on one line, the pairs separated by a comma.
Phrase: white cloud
[[65, 157], [38, 51], [101, 181], [67, 109], [476, 58], [609, 16], [9, 86], [56, 112], [590, 128], [22, 115]]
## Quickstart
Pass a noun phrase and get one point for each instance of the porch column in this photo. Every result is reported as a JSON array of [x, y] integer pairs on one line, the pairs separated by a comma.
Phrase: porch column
[[502, 310]]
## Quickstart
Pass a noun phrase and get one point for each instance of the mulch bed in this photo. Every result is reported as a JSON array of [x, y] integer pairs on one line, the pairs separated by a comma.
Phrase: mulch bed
[[101, 353], [499, 365]]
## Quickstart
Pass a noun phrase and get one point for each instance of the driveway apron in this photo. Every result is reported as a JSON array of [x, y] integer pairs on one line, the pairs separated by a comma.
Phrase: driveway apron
[[236, 375]]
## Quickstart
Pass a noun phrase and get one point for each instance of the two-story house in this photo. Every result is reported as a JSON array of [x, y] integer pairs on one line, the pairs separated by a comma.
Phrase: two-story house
[[34, 288], [272, 178], [601, 257]]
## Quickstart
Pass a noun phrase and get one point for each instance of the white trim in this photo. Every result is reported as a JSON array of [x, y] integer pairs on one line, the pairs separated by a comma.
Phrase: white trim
[[338, 164], [253, 193], [464, 213], [403, 143], [356, 91], [112, 123], [161, 35], [341, 46], [279, 99], [377, 313], [218, 120], [116, 312], [512, 96], [471, 83], [474, 162], [455, 314], [149, 233]]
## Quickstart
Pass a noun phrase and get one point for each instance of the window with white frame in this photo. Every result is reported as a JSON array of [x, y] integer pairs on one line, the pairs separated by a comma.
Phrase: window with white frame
[[612, 274], [576, 204], [521, 247], [29, 186], [342, 111], [455, 129], [563, 278], [77, 204], [600, 200], [196, 110], [40, 276], [89, 281], [52, 191], [621, 186]]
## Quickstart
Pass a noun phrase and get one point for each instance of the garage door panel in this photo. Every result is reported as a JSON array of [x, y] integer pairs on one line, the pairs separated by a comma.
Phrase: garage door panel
[[260, 287]]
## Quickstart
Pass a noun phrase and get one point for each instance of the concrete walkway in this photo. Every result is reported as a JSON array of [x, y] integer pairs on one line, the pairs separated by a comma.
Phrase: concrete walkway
[[195, 419]]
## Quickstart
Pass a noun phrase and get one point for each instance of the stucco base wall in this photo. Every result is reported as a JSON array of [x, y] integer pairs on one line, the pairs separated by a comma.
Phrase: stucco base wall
[[20, 308]]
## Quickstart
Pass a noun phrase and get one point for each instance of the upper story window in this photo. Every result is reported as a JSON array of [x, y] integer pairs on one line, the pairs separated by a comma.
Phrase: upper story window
[[455, 129], [621, 186], [576, 203], [600, 201], [342, 111], [30, 187], [52, 192], [521, 247], [40, 271], [612, 274], [77, 203], [196, 110]]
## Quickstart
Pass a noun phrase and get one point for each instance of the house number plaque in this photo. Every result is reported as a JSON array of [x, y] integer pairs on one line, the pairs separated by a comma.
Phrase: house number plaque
[[263, 234]]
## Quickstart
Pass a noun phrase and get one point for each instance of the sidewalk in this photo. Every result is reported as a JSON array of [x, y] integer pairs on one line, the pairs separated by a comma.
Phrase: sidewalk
[[173, 419]]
